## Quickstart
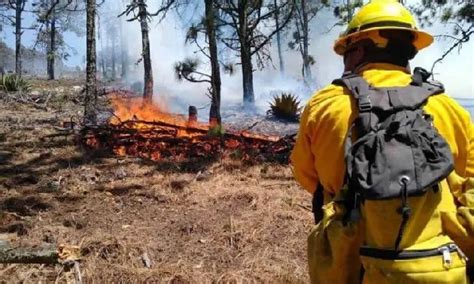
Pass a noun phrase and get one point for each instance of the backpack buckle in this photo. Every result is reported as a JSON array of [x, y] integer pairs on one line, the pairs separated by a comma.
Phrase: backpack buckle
[[365, 104]]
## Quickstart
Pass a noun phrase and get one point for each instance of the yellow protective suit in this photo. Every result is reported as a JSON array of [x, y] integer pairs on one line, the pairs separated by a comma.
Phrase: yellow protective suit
[[318, 157]]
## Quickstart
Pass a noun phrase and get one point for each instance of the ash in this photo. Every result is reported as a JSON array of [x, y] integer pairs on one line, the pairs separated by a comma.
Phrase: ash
[[236, 118]]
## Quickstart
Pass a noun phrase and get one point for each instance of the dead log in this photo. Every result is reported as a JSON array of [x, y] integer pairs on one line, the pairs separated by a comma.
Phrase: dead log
[[43, 255]]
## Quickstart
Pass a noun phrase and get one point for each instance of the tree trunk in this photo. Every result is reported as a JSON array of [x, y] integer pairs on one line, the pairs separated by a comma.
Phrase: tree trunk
[[246, 57], [18, 32], [307, 74], [112, 39], [278, 35], [52, 45], [214, 113], [123, 53], [102, 56], [91, 81], [247, 78], [148, 90]]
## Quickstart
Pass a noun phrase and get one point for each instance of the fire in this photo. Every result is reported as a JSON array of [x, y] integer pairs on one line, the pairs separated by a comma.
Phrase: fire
[[136, 109], [149, 131]]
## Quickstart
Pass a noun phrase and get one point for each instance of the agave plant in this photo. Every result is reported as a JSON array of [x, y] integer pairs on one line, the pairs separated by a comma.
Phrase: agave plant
[[285, 106], [14, 83]]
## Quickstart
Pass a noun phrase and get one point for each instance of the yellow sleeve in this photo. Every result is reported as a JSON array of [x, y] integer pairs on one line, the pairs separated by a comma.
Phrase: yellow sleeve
[[302, 158], [470, 151], [459, 224], [453, 122]]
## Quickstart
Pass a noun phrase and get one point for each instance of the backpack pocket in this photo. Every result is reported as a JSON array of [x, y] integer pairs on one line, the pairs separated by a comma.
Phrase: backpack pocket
[[405, 145], [445, 264], [333, 249]]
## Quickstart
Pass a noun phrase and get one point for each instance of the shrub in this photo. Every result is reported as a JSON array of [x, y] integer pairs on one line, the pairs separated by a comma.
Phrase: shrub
[[14, 83], [285, 106]]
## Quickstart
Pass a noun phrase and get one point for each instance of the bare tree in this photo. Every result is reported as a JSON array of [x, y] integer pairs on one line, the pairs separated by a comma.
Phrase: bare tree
[[306, 12], [278, 39], [55, 18], [188, 69], [91, 68], [344, 11], [123, 53], [102, 49], [143, 15], [138, 10], [19, 7], [458, 14], [52, 42], [112, 34], [246, 18], [210, 23]]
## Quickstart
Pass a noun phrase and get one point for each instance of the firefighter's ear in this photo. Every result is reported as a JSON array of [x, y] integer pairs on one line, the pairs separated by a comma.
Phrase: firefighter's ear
[[355, 54]]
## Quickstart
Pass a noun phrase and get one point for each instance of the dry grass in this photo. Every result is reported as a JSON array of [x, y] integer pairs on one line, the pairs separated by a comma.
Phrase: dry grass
[[226, 223]]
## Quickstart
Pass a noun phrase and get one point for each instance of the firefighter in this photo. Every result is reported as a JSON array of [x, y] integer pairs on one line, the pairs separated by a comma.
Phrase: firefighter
[[378, 45]]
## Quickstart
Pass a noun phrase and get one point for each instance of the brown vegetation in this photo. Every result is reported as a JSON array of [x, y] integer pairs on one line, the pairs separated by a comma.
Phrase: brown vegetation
[[136, 220]]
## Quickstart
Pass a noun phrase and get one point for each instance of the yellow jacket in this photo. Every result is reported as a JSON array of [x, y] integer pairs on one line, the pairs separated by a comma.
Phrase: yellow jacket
[[318, 157]]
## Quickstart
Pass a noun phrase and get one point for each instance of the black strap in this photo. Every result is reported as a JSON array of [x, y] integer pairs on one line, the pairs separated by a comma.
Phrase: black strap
[[420, 76], [379, 99], [405, 211], [361, 91], [317, 203], [405, 254], [380, 24]]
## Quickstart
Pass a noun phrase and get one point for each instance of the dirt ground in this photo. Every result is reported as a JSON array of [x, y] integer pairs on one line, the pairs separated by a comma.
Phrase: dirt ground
[[220, 222]]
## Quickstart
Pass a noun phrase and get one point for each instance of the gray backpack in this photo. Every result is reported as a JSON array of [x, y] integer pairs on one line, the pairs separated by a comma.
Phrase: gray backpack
[[392, 149]]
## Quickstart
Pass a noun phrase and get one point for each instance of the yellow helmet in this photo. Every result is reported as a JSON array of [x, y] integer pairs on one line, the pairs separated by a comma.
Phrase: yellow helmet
[[381, 15]]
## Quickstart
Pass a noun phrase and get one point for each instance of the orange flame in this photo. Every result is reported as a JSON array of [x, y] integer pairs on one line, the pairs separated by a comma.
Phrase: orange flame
[[136, 109], [148, 130]]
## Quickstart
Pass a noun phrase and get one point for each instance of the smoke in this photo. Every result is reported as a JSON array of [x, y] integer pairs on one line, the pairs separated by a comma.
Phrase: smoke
[[167, 40]]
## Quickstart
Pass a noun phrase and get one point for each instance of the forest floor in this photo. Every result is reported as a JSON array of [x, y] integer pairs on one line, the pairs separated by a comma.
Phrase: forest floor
[[227, 222]]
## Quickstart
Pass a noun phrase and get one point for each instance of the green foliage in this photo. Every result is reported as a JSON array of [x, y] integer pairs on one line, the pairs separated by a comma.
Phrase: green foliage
[[459, 12], [186, 68], [344, 12], [193, 33], [285, 106], [14, 83], [229, 68], [217, 131]]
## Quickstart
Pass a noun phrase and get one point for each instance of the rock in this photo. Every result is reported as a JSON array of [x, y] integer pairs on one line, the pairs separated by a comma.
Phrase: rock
[[35, 93], [120, 173], [77, 88]]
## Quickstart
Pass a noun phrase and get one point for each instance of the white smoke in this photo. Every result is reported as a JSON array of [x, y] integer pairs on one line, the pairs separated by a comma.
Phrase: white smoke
[[167, 47]]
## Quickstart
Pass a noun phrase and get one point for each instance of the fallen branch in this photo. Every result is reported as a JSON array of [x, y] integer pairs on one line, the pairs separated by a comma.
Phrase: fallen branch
[[46, 255], [17, 97], [158, 140], [42, 255]]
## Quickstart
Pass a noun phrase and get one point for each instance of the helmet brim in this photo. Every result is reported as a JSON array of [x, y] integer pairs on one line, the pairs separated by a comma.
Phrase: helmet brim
[[422, 39]]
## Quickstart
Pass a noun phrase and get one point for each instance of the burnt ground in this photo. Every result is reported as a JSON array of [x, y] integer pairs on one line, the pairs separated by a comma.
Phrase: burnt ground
[[214, 222]]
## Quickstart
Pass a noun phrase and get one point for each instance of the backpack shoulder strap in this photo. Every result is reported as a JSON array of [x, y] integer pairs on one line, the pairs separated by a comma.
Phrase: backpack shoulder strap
[[416, 94], [360, 90], [391, 99]]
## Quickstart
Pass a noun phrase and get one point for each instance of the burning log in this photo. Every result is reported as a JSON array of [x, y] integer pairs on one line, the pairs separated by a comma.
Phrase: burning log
[[159, 140], [145, 131], [192, 114]]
